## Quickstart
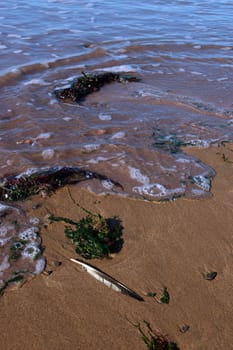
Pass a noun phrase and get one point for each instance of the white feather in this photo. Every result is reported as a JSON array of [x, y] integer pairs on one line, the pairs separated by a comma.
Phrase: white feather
[[107, 279]]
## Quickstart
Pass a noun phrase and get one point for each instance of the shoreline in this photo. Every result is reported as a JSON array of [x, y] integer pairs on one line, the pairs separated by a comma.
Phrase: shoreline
[[166, 244]]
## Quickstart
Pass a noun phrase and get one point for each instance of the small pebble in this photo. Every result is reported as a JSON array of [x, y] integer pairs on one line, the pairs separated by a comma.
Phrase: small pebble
[[184, 328], [56, 263], [210, 276]]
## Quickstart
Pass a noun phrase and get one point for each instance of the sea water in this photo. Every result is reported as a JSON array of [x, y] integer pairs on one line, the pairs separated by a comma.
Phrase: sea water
[[135, 133]]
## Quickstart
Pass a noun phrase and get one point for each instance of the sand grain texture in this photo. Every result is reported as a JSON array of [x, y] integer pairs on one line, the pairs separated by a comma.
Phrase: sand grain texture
[[170, 244]]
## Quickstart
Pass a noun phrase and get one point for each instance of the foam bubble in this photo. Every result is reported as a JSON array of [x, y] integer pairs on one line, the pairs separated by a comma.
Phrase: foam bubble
[[103, 116], [48, 153], [108, 184], [67, 119], [31, 251], [44, 135], [118, 135], [34, 221], [30, 234], [203, 182], [119, 69]]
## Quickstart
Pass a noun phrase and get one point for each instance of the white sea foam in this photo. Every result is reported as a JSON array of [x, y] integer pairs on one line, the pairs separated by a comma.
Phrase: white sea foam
[[196, 73], [103, 116], [203, 182], [137, 175], [4, 230], [31, 250], [4, 208], [108, 184], [158, 191], [40, 265], [35, 82], [222, 79], [4, 241], [48, 153], [34, 221], [11, 35], [44, 135], [118, 135], [4, 265], [119, 69], [182, 160], [67, 119], [30, 234], [97, 160], [91, 147]]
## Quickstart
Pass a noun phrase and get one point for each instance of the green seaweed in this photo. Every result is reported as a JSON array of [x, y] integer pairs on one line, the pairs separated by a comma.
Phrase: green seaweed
[[16, 249], [153, 339], [94, 236], [165, 298]]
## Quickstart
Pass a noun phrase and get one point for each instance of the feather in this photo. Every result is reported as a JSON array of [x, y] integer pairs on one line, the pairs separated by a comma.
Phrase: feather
[[107, 279]]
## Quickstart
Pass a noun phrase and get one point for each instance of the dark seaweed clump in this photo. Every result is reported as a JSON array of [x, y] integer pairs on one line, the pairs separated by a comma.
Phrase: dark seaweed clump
[[89, 83], [14, 188], [14, 279], [154, 340]]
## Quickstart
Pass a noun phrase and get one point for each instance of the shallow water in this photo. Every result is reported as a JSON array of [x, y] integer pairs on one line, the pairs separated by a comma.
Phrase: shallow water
[[180, 50]]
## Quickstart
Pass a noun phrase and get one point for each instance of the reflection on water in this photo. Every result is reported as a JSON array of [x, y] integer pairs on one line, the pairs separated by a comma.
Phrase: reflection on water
[[133, 133]]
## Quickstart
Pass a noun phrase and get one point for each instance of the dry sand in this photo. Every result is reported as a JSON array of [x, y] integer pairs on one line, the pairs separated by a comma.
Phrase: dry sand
[[170, 244]]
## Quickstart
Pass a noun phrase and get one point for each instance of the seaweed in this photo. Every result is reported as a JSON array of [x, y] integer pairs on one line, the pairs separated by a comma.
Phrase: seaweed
[[15, 188], [154, 340], [87, 84], [16, 249], [94, 236], [173, 143], [168, 143], [14, 279], [165, 298]]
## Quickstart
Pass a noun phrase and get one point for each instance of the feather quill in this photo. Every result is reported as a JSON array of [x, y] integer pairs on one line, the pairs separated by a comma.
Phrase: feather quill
[[107, 279]]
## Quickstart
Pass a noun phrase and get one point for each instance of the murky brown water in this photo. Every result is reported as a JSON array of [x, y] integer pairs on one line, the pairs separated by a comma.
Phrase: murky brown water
[[181, 51]]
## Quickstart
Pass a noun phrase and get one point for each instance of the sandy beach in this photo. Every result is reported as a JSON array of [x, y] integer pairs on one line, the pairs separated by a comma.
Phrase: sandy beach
[[171, 244]]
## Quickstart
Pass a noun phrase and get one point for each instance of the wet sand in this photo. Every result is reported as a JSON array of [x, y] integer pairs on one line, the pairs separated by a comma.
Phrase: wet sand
[[170, 244]]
